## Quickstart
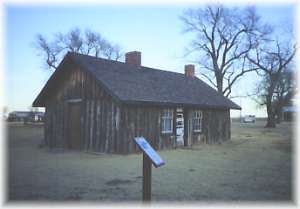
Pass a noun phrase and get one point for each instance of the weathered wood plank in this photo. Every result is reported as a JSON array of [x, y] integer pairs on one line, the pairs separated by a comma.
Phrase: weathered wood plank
[[87, 124], [91, 124], [97, 127], [106, 127]]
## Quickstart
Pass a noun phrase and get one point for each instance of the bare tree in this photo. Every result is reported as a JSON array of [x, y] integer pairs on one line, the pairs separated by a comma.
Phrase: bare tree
[[90, 43], [272, 60], [284, 92], [223, 38], [47, 51]]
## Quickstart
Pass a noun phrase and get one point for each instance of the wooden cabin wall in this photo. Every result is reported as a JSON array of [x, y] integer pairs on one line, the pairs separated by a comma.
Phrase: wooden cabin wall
[[216, 126], [101, 124], [75, 85], [142, 121], [99, 114], [55, 126]]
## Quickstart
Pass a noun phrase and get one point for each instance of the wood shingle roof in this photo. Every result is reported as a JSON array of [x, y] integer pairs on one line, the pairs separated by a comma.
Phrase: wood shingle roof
[[142, 85]]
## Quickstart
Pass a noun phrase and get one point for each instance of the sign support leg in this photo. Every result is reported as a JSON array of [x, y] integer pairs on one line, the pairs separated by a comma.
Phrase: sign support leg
[[146, 178]]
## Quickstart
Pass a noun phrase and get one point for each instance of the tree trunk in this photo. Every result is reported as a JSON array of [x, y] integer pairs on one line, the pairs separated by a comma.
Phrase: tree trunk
[[279, 116], [219, 80], [271, 115], [279, 110]]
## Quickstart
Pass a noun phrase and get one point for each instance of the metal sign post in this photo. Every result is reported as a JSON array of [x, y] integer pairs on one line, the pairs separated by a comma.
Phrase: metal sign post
[[149, 156]]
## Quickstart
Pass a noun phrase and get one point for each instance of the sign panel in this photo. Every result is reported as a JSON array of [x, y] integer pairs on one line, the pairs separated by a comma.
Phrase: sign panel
[[149, 151]]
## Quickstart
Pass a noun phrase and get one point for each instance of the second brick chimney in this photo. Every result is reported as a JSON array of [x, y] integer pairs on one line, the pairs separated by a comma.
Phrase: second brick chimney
[[133, 58], [189, 70]]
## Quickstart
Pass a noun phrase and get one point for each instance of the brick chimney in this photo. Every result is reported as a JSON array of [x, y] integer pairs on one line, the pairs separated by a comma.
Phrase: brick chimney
[[189, 70], [133, 58]]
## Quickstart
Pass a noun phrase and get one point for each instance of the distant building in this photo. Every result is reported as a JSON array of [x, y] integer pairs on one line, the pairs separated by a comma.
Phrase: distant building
[[18, 116], [289, 113], [36, 117], [25, 116]]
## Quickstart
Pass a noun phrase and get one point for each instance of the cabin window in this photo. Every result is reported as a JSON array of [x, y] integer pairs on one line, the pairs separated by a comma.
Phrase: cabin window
[[197, 121], [167, 121]]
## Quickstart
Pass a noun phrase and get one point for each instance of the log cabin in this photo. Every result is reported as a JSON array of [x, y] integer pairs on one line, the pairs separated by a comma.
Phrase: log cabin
[[100, 105]]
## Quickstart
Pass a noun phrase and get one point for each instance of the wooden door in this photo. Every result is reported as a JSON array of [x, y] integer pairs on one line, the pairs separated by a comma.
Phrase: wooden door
[[179, 127], [188, 127], [74, 126]]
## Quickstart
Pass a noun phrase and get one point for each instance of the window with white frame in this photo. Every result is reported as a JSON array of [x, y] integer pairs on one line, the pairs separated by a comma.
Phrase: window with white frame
[[197, 121], [167, 121]]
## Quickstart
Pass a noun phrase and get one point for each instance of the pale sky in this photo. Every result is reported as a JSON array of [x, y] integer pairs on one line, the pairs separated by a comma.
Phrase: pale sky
[[156, 31]]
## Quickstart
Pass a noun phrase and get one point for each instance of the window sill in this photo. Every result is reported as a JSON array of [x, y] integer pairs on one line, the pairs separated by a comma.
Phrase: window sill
[[167, 132]]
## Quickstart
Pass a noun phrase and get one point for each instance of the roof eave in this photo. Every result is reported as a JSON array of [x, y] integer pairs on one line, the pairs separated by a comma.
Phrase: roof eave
[[174, 104]]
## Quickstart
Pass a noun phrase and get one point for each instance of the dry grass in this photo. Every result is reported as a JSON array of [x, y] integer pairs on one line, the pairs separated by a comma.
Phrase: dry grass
[[255, 165]]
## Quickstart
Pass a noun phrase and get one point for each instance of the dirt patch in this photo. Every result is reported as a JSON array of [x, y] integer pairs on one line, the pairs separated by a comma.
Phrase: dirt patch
[[115, 182], [283, 145], [76, 194], [74, 197], [238, 142]]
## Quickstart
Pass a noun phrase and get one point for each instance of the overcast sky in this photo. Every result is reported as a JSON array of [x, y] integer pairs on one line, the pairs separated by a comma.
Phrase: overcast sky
[[156, 31]]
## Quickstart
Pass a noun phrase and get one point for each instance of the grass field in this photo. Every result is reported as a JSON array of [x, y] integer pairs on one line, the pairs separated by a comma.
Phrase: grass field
[[256, 165]]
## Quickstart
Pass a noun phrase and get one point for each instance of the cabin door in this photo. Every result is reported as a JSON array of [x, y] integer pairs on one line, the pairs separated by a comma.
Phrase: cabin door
[[179, 127], [74, 126]]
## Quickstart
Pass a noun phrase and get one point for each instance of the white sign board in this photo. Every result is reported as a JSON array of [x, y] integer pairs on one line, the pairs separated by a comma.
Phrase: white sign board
[[149, 151]]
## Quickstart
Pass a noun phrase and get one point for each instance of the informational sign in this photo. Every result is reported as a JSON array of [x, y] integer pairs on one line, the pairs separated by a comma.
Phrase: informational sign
[[149, 151]]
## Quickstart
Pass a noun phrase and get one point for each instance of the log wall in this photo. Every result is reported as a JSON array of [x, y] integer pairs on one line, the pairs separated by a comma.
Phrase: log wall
[[146, 122], [216, 126], [100, 115]]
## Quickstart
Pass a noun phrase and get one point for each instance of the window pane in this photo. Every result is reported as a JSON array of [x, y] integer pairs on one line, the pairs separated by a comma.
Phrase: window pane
[[167, 120], [168, 125], [197, 117], [170, 113], [164, 114]]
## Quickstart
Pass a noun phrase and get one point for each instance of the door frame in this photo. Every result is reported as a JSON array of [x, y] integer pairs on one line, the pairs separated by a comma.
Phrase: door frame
[[188, 127], [177, 110], [71, 102]]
